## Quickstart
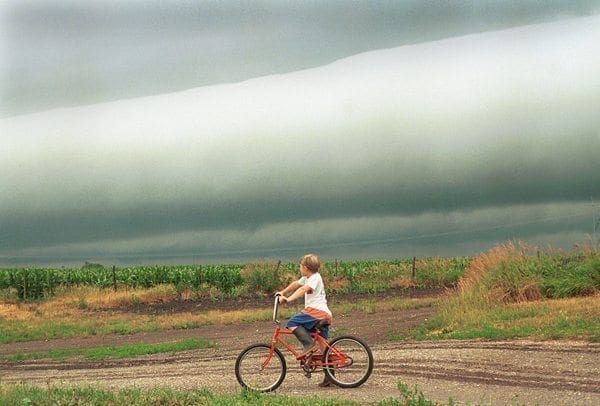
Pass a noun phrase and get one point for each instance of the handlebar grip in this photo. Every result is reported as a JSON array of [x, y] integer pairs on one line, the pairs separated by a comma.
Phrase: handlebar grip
[[276, 308]]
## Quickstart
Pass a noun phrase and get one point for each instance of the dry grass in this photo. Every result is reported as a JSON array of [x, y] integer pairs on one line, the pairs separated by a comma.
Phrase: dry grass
[[550, 312], [87, 297], [403, 282], [99, 311], [95, 310], [483, 263], [15, 311], [501, 295], [500, 276], [338, 283]]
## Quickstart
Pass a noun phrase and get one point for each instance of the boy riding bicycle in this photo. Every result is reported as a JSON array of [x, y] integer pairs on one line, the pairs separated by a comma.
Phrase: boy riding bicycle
[[311, 286]]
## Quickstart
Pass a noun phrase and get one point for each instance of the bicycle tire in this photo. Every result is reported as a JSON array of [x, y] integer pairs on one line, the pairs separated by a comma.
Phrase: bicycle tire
[[252, 375], [360, 365]]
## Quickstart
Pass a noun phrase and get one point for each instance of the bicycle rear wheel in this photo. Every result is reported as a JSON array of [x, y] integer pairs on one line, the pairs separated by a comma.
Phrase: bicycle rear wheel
[[258, 369], [351, 362]]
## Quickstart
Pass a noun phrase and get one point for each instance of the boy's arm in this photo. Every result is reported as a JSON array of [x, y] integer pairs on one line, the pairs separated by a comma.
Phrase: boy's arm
[[298, 293], [292, 286]]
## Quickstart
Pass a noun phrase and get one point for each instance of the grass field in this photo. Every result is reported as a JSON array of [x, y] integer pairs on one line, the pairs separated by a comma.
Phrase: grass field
[[508, 292], [30, 395]]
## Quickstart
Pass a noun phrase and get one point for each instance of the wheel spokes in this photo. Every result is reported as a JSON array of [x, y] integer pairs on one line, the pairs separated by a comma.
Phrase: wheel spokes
[[259, 369]]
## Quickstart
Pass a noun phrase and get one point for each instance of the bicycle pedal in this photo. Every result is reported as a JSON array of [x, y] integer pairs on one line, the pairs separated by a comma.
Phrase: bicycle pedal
[[307, 374]]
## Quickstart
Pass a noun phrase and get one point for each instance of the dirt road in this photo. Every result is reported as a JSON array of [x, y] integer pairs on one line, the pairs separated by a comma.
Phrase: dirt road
[[474, 372]]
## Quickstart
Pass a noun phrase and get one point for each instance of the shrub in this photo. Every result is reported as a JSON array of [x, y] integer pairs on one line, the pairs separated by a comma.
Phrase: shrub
[[262, 278]]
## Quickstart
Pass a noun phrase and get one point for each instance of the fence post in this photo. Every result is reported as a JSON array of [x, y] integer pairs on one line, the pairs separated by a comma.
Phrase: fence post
[[414, 269], [25, 274], [114, 272]]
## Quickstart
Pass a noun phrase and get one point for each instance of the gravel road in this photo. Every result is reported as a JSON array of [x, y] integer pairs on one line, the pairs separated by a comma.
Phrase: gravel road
[[470, 372]]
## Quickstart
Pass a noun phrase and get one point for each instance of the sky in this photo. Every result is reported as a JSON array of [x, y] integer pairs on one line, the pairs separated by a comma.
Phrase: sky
[[139, 132]]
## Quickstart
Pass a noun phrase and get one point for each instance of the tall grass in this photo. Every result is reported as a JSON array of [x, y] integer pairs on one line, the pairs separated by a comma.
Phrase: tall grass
[[511, 273], [512, 291]]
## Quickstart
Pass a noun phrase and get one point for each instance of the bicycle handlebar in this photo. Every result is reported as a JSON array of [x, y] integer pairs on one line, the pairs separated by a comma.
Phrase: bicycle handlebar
[[276, 308]]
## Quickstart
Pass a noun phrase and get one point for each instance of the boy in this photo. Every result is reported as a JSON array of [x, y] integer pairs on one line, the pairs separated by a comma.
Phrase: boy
[[311, 286]]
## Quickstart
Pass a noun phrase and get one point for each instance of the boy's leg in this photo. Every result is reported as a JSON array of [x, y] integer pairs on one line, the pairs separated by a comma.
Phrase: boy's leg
[[303, 336], [300, 324], [323, 332], [326, 382]]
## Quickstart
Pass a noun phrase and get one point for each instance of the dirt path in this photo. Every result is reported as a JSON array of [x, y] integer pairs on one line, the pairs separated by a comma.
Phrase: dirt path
[[474, 372]]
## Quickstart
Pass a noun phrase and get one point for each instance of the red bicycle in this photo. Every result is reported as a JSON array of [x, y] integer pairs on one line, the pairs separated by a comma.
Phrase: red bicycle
[[346, 360]]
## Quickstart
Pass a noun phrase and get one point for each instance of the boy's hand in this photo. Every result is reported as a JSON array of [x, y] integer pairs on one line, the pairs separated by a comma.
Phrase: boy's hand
[[282, 299]]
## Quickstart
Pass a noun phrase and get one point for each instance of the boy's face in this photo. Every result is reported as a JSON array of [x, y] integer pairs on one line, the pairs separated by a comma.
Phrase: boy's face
[[304, 271]]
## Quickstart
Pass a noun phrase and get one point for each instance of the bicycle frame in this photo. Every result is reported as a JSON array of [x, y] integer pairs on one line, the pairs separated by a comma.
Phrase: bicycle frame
[[279, 338], [347, 361]]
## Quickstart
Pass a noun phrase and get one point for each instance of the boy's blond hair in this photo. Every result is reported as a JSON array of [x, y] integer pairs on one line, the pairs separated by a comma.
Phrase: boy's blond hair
[[311, 261]]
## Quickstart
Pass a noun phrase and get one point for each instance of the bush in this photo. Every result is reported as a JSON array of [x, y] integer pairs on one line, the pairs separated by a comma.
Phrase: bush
[[262, 278]]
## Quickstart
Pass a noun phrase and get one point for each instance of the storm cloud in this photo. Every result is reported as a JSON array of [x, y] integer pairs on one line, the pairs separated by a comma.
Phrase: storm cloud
[[436, 148], [61, 53]]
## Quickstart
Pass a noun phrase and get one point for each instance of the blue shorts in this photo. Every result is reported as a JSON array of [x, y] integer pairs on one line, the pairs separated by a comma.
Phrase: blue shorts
[[308, 322]]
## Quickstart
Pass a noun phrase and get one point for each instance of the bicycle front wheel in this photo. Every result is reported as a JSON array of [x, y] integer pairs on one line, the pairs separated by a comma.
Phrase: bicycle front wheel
[[259, 369], [350, 360]]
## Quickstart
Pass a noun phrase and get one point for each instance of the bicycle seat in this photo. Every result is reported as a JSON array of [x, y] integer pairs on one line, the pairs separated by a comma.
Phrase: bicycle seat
[[321, 324]]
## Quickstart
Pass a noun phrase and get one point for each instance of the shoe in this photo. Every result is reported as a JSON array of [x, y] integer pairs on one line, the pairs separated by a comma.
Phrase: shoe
[[326, 381]]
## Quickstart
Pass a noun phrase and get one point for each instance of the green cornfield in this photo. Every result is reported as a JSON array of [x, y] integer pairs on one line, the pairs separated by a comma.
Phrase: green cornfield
[[235, 279]]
